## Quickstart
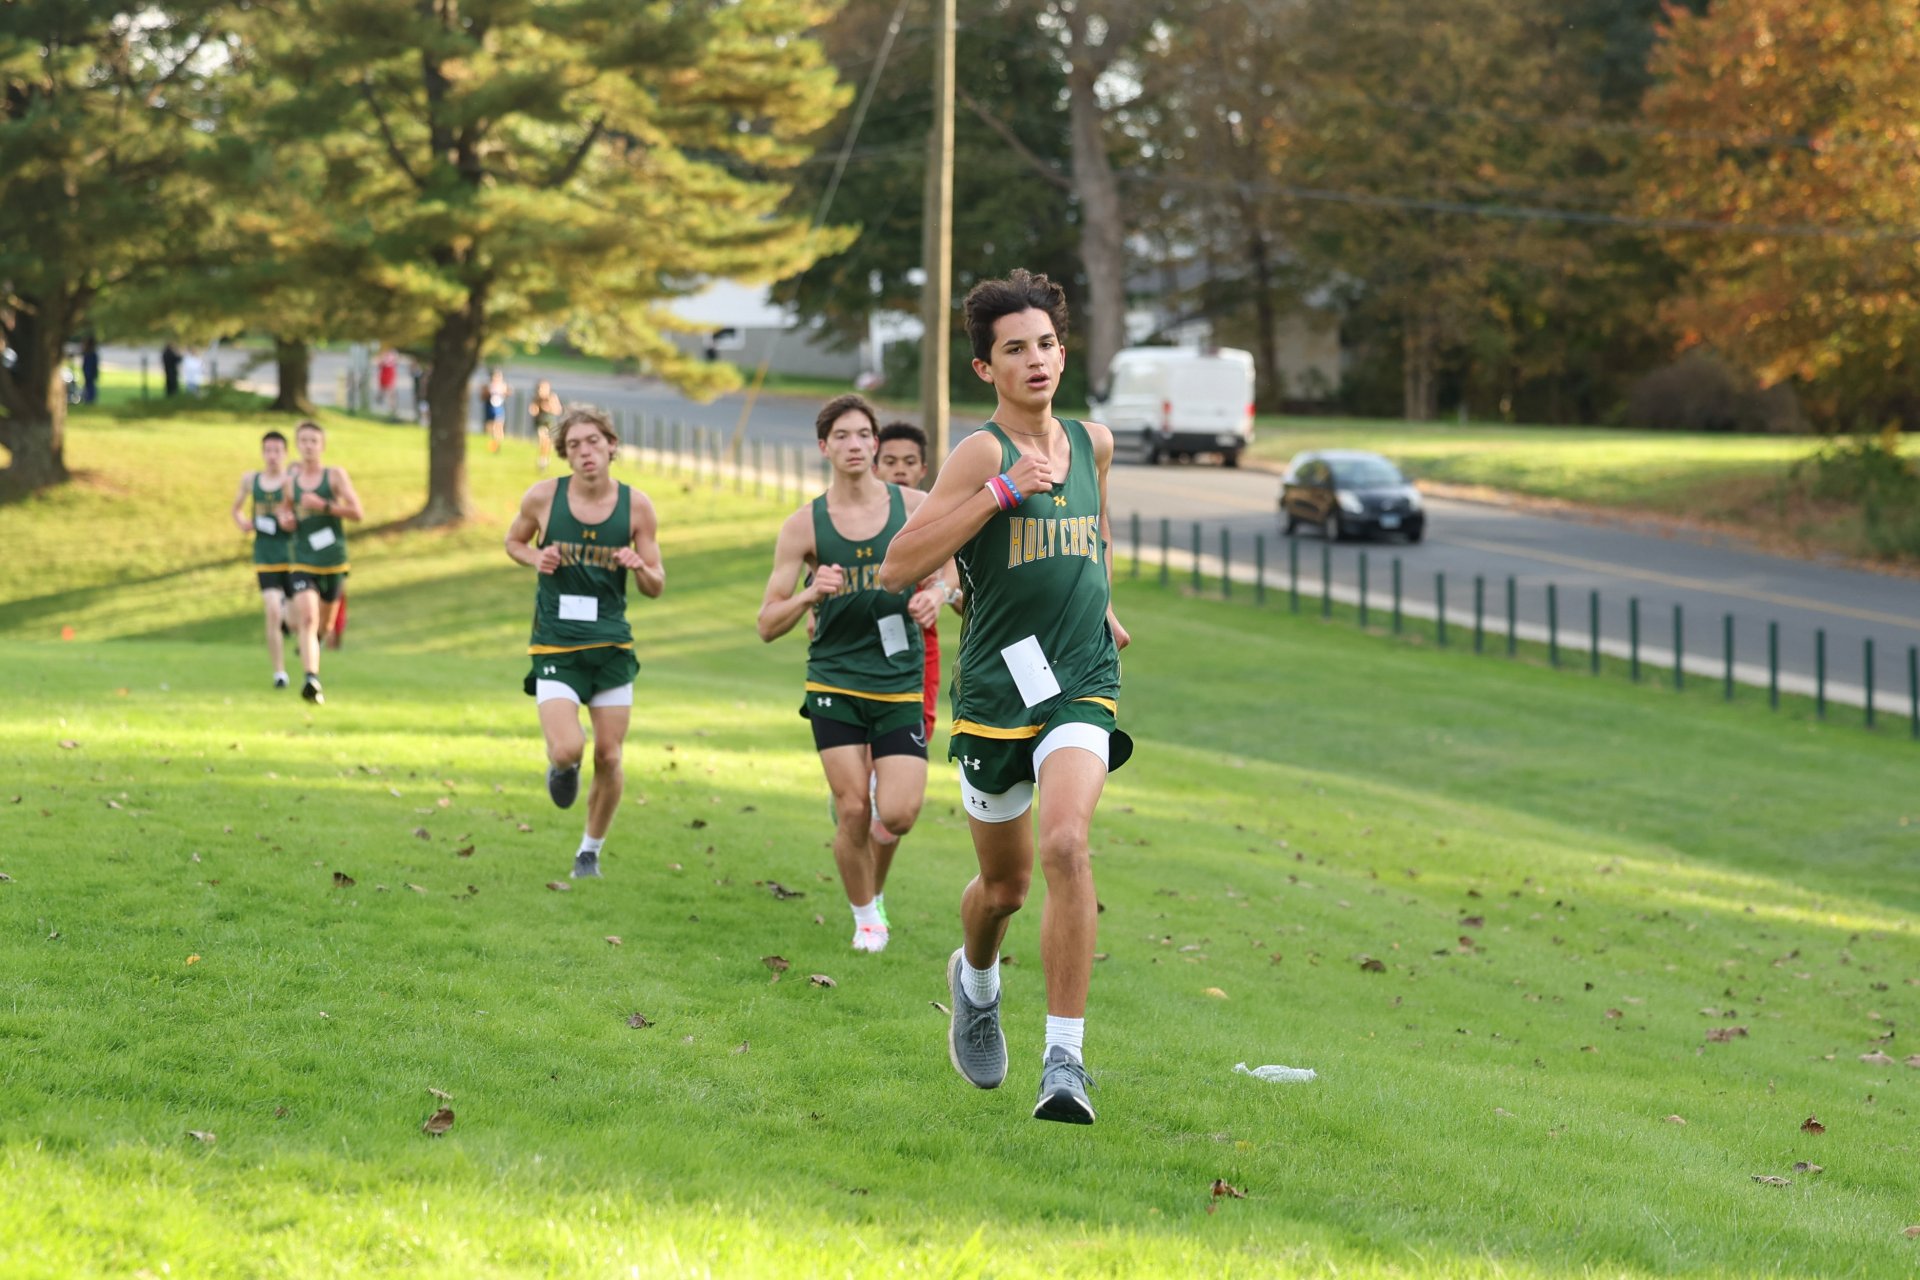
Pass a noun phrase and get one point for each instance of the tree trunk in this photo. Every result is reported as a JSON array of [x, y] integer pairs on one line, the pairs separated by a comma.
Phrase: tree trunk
[[33, 400], [1418, 386], [1102, 229], [456, 353], [294, 360], [1272, 388]]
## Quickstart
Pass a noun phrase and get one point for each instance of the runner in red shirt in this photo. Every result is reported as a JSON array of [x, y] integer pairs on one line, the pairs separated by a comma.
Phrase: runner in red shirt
[[902, 460]]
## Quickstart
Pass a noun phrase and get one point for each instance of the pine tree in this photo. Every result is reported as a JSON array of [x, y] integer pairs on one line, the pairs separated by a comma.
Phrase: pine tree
[[577, 163]]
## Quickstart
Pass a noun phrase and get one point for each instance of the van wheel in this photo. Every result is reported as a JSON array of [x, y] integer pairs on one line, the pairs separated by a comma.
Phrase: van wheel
[[1149, 451], [1331, 528], [1230, 458]]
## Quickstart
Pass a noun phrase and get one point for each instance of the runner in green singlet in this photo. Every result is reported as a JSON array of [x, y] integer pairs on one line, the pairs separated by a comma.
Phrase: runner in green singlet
[[322, 496], [584, 533], [864, 661], [269, 519], [1021, 505]]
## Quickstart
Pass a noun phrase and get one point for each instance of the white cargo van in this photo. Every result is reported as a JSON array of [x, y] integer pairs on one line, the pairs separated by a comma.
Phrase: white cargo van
[[1169, 402]]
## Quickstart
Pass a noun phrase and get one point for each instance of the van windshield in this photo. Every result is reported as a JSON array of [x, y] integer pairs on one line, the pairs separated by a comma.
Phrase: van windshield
[[1367, 472]]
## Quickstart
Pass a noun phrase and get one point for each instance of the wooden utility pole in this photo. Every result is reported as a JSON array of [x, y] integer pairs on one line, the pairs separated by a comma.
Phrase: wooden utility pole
[[936, 250]]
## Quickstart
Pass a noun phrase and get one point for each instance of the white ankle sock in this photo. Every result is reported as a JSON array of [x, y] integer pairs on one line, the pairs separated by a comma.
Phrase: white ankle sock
[[1068, 1033], [981, 985], [591, 844], [868, 914]]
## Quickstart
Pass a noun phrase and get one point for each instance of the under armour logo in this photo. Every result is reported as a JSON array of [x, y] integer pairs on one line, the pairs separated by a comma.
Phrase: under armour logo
[[1059, 499], [823, 702], [863, 553], [971, 763], [978, 802], [549, 671]]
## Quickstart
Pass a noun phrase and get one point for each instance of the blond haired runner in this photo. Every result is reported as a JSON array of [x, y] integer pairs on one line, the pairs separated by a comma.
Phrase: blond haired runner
[[583, 533]]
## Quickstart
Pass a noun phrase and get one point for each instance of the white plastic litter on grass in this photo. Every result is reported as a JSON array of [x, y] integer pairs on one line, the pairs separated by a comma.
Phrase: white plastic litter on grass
[[1280, 1075]]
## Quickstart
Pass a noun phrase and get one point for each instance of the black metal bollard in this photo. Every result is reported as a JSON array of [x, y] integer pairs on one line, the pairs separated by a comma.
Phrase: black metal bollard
[[1553, 625]]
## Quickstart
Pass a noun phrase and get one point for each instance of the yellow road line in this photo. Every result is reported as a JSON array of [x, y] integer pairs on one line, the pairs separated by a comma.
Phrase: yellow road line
[[1693, 584]]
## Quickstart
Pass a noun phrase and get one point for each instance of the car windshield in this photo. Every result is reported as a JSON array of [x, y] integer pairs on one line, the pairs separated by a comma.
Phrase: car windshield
[[1367, 472]]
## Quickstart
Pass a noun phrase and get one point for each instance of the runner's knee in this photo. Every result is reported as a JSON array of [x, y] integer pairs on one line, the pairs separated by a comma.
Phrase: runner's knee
[[1005, 895], [606, 755]]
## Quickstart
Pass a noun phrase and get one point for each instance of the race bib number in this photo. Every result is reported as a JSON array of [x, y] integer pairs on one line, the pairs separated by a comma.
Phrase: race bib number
[[1032, 673], [321, 539], [267, 525], [893, 634], [579, 608]]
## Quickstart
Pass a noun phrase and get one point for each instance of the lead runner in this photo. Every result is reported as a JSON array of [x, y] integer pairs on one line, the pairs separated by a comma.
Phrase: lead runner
[[1021, 506]]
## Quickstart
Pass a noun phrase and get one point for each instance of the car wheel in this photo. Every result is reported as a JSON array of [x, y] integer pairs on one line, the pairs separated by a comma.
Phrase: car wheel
[[1230, 458], [1414, 535], [1331, 529]]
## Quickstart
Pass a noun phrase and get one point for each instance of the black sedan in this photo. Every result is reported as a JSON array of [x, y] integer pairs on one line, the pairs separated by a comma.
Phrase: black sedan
[[1349, 493]]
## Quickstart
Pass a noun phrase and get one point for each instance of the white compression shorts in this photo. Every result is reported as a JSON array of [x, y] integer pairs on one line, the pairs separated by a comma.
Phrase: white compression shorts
[[1017, 799], [548, 690]]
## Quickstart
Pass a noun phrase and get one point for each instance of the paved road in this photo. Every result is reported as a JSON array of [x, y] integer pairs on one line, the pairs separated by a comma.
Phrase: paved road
[[1707, 582]]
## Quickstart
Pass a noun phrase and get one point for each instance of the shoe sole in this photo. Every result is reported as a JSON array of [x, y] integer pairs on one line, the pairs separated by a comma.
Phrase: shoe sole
[[314, 696], [953, 1048], [1064, 1108], [573, 795]]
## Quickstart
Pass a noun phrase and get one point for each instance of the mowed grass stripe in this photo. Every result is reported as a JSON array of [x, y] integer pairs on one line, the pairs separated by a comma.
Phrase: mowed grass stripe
[[1304, 798]]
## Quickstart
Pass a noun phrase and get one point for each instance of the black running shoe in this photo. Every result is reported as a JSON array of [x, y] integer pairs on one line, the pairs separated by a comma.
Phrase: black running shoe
[[311, 691], [564, 785], [586, 865]]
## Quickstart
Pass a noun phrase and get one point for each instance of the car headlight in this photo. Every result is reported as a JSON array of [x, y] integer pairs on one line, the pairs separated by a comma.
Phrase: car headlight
[[1413, 500], [1349, 503]]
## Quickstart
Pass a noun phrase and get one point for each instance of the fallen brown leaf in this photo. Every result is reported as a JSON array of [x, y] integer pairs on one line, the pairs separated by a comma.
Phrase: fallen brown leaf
[[1722, 1035], [1371, 965], [341, 880], [422, 833], [1473, 922], [1811, 1125], [465, 851], [1769, 1180], [613, 939], [1911, 1233], [1615, 1013], [742, 1046], [1914, 1061], [559, 886], [441, 1094], [1802, 1166], [68, 744], [942, 1008], [781, 891], [201, 1135], [438, 1123], [1221, 1187], [523, 826], [698, 824], [821, 980], [416, 888], [639, 1021], [444, 802], [1215, 992], [193, 959], [1877, 1058], [779, 964], [1675, 1120], [1503, 1113]]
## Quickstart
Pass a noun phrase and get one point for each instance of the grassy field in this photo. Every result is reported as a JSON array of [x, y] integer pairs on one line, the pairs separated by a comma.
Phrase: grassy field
[[1594, 909]]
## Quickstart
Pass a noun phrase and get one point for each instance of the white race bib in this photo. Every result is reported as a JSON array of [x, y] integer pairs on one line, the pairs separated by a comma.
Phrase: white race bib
[[1032, 674], [267, 525], [893, 634], [320, 539], [579, 608]]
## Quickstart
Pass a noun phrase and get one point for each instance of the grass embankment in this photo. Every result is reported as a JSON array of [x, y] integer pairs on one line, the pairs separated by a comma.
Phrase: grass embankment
[[1742, 483], [1567, 887]]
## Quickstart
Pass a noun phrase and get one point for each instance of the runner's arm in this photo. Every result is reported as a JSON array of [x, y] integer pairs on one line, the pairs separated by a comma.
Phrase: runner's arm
[[782, 607], [240, 500], [346, 503], [1103, 458], [649, 572], [954, 511], [924, 607], [534, 506]]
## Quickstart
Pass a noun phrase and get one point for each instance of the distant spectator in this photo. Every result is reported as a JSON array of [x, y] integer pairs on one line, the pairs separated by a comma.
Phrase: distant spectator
[[192, 372], [89, 372], [388, 379], [544, 409], [493, 409], [418, 372], [170, 368]]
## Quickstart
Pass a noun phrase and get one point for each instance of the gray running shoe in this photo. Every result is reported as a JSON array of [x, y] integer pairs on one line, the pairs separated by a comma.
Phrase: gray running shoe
[[586, 865], [1063, 1090], [563, 785], [974, 1043]]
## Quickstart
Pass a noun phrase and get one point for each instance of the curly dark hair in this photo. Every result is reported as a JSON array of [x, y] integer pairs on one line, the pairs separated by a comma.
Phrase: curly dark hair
[[1020, 291]]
